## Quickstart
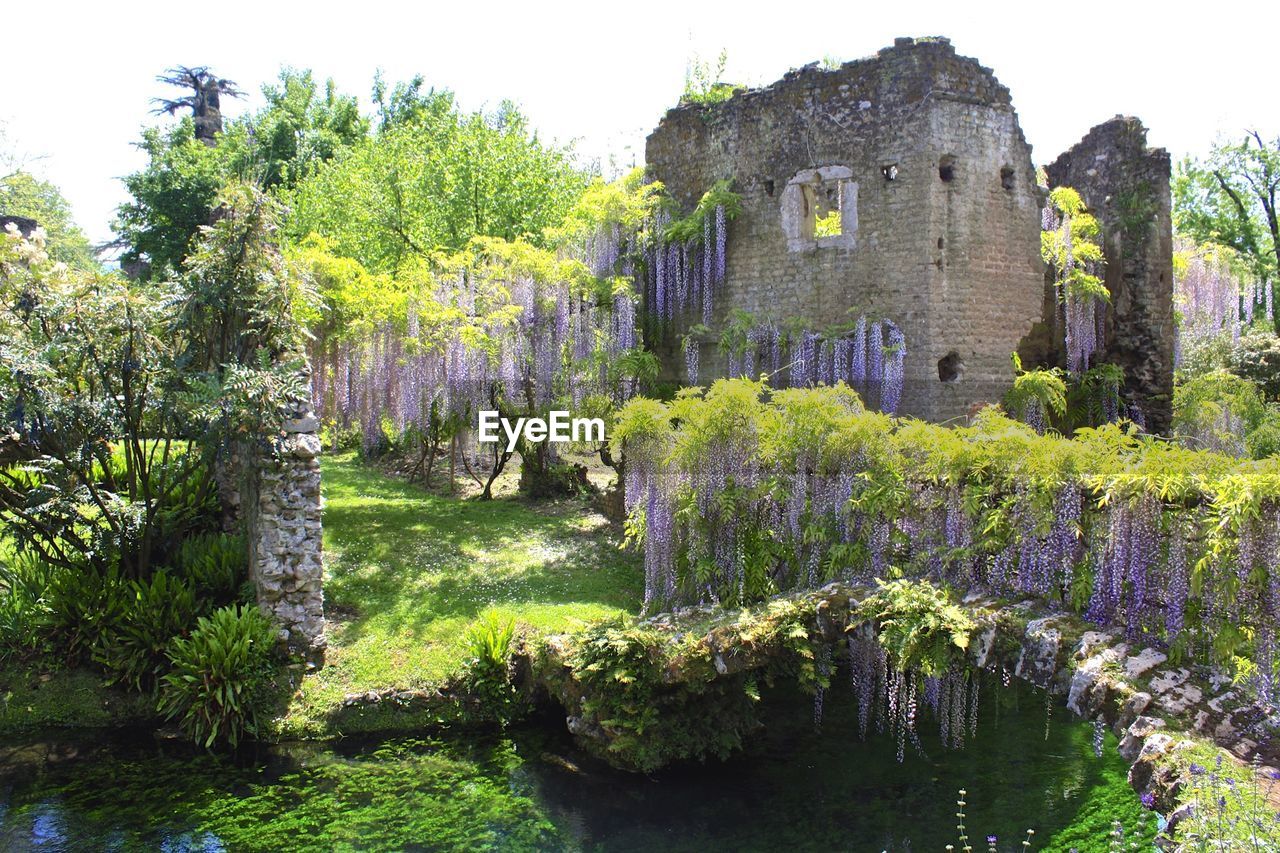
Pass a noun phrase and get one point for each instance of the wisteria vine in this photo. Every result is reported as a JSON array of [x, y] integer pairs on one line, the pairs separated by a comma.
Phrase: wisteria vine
[[748, 492]]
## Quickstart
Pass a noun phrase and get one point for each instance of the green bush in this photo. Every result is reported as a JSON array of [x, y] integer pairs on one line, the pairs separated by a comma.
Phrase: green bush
[[218, 675], [1256, 357], [1221, 411], [919, 626], [488, 672], [24, 610], [84, 605], [132, 650], [216, 564]]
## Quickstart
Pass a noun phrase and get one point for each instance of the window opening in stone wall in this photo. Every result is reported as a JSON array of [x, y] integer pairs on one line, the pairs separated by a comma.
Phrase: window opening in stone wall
[[819, 208], [768, 188], [950, 367], [1006, 178], [947, 169], [826, 200], [890, 172]]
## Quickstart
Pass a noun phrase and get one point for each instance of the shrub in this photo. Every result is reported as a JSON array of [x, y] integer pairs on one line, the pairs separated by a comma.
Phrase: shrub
[[1256, 357], [84, 605], [24, 610], [218, 675], [920, 627], [132, 650], [1220, 410], [216, 564], [488, 674]]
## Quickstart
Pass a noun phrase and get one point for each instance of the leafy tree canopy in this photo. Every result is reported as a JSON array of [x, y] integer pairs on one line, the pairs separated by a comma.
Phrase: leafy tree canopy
[[23, 194], [431, 179]]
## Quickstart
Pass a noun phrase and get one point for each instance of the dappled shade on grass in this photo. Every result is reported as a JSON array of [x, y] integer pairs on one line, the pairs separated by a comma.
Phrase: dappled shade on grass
[[406, 572]]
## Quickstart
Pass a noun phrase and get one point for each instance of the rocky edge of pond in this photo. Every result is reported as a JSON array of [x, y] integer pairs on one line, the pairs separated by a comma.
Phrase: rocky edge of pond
[[1156, 709]]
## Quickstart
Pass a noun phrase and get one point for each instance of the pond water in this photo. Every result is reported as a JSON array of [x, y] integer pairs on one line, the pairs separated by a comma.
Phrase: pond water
[[794, 788]]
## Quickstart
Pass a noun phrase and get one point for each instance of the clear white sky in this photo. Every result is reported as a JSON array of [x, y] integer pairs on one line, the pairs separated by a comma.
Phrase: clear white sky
[[76, 79]]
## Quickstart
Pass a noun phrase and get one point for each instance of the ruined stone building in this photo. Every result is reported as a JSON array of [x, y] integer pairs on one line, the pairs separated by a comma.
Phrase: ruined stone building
[[920, 152]]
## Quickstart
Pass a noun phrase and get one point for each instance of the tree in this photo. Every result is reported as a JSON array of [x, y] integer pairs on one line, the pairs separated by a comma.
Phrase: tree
[[431, 179], [205, 100], [23, 194], [172, 198], [299, 129], [1230, 199], [118, 397]]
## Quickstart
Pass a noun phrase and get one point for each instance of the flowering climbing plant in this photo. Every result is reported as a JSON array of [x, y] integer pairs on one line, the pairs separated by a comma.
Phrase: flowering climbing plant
[[684, 259], [868, 355], [1067, 244], [741, 491], [502, 326], [1214, 296]]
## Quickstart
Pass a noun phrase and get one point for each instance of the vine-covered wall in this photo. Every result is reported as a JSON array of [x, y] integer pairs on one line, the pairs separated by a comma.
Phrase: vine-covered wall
[[1125, 185], [920, 152]]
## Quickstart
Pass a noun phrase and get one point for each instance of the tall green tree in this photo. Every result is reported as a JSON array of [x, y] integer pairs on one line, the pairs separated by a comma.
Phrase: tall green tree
[[431, 179], [173, 196], [300, 127]]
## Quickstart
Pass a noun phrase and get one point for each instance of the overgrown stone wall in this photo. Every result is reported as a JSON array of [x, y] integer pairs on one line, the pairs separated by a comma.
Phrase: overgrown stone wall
[[922, 152], [1125, 185], [1157, 709], [285, 536], [276, 500]]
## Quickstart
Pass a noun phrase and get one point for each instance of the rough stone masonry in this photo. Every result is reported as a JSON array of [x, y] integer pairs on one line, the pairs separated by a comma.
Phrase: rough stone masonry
[[920, 151], [277, 498]]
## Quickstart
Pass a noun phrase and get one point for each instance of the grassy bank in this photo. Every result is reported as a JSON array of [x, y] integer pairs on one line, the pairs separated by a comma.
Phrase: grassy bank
[[407, 571]]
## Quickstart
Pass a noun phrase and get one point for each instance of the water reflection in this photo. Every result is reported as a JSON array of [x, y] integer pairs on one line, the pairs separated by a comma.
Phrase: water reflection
[[530, 790]]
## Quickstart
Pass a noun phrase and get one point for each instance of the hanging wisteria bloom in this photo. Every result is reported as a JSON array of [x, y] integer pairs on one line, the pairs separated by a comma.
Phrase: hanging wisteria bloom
[[1076, 262]]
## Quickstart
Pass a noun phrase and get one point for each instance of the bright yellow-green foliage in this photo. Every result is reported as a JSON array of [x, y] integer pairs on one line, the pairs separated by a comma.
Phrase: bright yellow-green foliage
[[828, 226], [431, 182], [1070, 249], [1009, 480], [627, 202]]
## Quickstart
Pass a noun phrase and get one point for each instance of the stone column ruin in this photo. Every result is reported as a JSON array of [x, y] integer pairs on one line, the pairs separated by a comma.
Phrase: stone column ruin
[[284, 533]]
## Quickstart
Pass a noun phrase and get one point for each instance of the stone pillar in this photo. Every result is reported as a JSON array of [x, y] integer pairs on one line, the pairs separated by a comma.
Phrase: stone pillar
[[285, 547], [1125, 185]]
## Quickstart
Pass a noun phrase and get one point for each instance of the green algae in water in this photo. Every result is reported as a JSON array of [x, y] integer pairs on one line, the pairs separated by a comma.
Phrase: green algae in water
[[793, 788]]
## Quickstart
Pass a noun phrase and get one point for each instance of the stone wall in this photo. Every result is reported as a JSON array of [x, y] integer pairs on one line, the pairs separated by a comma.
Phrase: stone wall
[[1157, 710], [276, 501], [1125, 185], [286, 561], [941, 211]]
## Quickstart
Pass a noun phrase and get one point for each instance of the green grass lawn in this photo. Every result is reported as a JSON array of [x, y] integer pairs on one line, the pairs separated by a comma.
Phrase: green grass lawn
[[407, 571]]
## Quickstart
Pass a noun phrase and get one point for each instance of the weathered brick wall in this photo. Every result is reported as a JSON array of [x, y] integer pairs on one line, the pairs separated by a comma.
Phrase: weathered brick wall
[[956, 264], [1125, 185]]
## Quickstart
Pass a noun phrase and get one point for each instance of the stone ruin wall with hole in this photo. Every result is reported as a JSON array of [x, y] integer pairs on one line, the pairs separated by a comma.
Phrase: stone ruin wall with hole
[[278, 499], [951, 255], [1125, 185]]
